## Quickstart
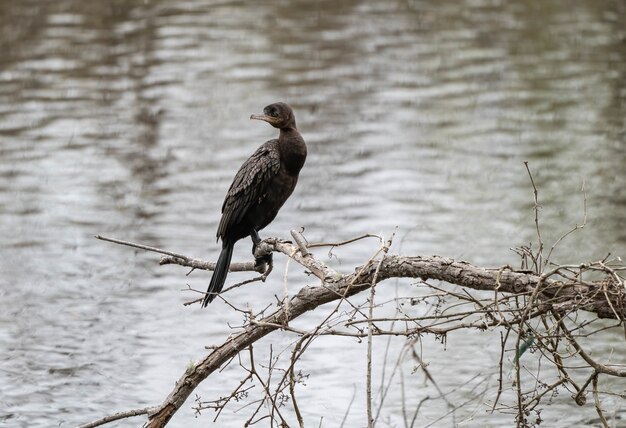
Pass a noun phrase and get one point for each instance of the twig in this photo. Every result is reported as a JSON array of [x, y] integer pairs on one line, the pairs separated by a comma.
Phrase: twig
[[180, 259], [340, 243], [539, 264], [596, 400], [500, 368], [300, 241], [370, 327], [141, 247], [118, 416], [292, 382]]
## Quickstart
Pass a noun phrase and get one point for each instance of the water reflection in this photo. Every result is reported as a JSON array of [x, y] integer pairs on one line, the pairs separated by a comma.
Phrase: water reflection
[[130, 117]]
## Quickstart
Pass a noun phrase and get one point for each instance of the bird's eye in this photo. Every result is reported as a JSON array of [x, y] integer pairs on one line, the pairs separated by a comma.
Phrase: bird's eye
[[274, 113]]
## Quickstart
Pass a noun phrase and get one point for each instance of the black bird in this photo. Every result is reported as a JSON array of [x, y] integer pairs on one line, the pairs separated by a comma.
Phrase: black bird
[[259, 189]]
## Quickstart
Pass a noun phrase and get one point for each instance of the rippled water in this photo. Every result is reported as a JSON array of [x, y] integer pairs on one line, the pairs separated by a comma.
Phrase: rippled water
[[129, 119]]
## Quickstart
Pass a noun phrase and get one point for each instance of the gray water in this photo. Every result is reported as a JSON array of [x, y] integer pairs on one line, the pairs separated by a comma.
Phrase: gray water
[[130, 118]]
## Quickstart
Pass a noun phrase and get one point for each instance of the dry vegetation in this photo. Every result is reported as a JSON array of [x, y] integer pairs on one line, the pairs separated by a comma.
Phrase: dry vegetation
[[539, 307]]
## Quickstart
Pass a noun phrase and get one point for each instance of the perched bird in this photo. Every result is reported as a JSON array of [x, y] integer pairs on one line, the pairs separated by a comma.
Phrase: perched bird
[[259, 189]]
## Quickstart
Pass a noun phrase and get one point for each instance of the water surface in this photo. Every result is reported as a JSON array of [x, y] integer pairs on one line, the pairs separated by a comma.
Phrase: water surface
[[129, 119]]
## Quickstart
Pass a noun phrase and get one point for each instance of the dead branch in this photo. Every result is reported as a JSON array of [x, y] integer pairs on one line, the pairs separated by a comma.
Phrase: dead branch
[[117, 417], [556, 291], [179, 259]]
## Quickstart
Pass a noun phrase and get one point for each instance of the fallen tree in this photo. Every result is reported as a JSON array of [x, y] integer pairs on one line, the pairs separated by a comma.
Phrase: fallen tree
[[535, 307], [518, 297]]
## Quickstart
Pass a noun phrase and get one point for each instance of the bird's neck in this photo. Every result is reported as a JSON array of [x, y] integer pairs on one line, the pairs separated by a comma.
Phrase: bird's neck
[[292, 149]]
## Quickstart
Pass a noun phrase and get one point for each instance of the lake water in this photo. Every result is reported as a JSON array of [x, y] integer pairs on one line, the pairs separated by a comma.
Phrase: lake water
[[129, 119]]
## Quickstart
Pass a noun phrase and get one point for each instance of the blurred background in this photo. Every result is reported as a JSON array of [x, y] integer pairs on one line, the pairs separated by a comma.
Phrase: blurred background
[[130, 118]]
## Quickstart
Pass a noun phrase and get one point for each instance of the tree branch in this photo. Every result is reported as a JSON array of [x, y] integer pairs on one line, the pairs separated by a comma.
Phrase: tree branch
[[117, 417], [605, 298], [336, 286]]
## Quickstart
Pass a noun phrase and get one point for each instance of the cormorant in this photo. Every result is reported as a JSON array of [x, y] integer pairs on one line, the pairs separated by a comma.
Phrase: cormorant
[[259, 189]]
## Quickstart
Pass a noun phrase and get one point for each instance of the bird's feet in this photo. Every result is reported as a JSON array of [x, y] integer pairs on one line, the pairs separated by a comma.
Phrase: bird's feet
[[264, 263], [263, 256]]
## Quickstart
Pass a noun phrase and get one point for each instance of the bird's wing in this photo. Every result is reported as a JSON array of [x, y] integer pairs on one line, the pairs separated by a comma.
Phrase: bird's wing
[[249, 185]]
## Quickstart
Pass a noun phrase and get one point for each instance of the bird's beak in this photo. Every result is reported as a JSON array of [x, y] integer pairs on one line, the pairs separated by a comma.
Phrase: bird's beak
[[269, 119]]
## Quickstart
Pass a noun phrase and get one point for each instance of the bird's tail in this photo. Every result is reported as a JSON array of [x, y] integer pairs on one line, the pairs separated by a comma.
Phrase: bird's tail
[[220, 272]]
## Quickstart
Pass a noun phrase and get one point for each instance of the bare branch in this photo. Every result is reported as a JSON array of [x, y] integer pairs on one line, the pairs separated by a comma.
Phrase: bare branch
[[206, 265], [118, 416], [140, 246], [461, 273], [517, 297]]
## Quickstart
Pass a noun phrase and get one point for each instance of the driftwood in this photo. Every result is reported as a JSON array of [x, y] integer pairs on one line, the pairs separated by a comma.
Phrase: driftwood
[[557, 292]]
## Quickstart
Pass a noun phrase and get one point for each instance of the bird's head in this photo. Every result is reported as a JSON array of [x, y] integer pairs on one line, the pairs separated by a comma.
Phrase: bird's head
[[279, 115]]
